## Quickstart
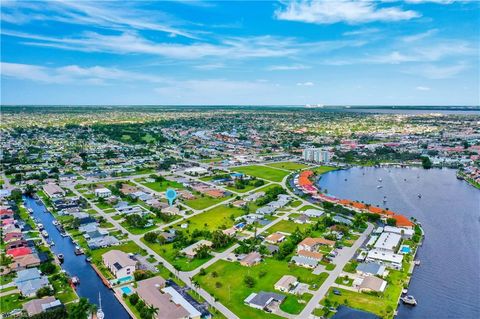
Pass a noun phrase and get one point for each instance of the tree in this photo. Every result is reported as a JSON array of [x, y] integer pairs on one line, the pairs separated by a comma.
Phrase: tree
[[391, 222], [151, 237], [16, 195], [249, 281], [47, 268], [202, 252], [45, 291], [80, 310], [426, 162], [133, 299]]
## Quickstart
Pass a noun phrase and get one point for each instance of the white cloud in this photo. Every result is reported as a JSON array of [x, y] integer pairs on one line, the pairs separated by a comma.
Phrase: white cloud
[[422, 88], [290, 67], [305, 84], [102, 14], [359, 32], [72, 73], [432, 1], [349, 11], [419, 36]]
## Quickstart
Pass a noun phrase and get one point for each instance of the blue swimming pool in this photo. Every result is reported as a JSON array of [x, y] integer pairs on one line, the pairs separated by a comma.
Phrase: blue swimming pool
[[405, 249], [126, 290]]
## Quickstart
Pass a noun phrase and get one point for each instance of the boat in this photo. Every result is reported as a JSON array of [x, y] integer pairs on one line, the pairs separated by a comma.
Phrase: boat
[[55, 222], [380, 180], [379, 186], [30, 210], [419, 195], [60, 257], [417, 262], [78, 250], [75, 280], [44, 233], [409, 300], [64, 234], [50, 243], [40, 226], [404, 291], [88, 259]]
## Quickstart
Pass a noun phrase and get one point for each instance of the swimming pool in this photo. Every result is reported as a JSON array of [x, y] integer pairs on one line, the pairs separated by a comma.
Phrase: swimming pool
[[405, 249], [126, 290]]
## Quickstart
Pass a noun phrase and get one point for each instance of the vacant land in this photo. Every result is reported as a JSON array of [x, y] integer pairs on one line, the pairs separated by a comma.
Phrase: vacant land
[[161, 186], [225, 281], [323, 169], [214, 218], [291, 166], [268, 173], [287, 226], [202, 202]]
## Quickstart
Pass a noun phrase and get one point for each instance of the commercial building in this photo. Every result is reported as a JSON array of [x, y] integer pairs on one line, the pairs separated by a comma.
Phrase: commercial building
[[316, 155]]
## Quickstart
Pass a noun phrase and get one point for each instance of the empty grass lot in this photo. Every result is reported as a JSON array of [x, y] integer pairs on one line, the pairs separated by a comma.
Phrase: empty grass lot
[[291, 166], [202, 202], [213, 218], [268, 173], [229, 287], [323, 169], [287, 226], [161, 186]]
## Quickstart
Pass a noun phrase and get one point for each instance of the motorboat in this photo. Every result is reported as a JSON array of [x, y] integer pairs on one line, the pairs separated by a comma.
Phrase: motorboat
[[419, 195], [55, 222], [78, 250], [379, 186], [380, 180], [40, 226], [60, 257], [44, 233], [30, 210], [409, 300]]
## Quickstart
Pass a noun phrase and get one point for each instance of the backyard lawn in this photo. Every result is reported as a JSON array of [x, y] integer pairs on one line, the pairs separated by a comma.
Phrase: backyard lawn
[[291, 166], [287, 226], [161, 186], [10, 302], [268, 173], [225, 281]]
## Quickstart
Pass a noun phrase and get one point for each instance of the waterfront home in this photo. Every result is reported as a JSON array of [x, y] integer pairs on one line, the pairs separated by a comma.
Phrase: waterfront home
[[25, 261], [251, 259], [275, 238], [102, 242], [103, 192], [369, 284], [264, 300], [53, 190], [388, 242], [286, 284], [191, 251], [406, 233], [17, 252], [173, 306], [119, 263], [29, 281], [37, 306], [372, 268], [389, 259]]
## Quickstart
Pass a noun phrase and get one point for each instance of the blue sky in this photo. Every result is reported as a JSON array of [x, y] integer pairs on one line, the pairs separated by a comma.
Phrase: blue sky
[[415, 52]]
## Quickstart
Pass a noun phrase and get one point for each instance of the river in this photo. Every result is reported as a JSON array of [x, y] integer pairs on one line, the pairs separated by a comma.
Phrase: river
[[90, 284], [447, 284]]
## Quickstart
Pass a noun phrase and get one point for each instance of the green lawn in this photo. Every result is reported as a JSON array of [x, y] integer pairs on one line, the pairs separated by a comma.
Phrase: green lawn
[[202, 202], [161, 186], [323, 169], [247, 188], [10, 302], [287, 226], [135, 230], [295, 304], [268, 173], [291, 166], [213, 218], [229, 287], [128, 247]]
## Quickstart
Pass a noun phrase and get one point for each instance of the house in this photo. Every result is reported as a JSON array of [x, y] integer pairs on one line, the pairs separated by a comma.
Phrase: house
[[406, 233], [272, 249], [13, 236], [263, 300], [286, 283], [372, 283], [313, 212], [17, 252], [25, 261], [311, 244], [251, 259], [103, 192], [29, 281], [169, 236], [367, 269], [342, 220], [119, 263], [102, 242], [388, 242], [310, 254], [275, 238], [302, 219], [253, 197], [172, 306], [191, 251], [53, 190], [36, 306], [389, 259], [304, 262], [196, 171], [171, 210], [215, 193]]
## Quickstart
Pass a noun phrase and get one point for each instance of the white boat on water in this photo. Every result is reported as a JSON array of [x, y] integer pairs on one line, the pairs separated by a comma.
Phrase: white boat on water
[[30, 210], [44, 233], [55, 222], [40, 226], [379, 186], [409, 300]]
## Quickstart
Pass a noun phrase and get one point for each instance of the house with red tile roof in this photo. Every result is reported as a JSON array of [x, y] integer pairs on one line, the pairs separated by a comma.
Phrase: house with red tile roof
[[17, 252]]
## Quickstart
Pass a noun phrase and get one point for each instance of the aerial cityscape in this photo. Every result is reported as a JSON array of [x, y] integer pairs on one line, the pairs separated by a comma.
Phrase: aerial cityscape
[[202, 159]]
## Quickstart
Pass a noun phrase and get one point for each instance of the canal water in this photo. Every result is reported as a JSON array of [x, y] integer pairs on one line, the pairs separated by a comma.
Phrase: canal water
[[447, 283], [90, 284]]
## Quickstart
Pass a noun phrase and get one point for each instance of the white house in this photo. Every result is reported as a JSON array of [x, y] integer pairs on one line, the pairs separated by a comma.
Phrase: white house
[[103, 192], [386, 258], [119, 263]]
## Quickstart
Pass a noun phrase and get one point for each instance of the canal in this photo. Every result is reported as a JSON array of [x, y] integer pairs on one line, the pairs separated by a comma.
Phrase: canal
[[446, 284], [90, 284]]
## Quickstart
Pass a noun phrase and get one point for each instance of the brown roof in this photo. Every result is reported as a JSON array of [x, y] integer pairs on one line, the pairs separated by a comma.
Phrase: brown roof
[[34, 306], [275, 237], [309, 241], [149, 291], [25, 261], [251, 259], [310, 254], [372, 283]]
